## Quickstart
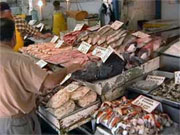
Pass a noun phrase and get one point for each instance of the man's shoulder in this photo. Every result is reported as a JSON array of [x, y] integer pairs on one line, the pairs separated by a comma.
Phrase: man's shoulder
[[23, 58], [18, 58]]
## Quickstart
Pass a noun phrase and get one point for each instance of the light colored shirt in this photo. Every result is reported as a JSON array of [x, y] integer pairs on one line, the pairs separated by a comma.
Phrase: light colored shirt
[[20, 82]]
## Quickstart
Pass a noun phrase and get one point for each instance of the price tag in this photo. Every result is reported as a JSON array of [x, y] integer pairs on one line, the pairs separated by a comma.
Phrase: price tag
[[84, 47], [151, 65], [107, 53], [65, 79], [59, 44], [116, 25], [140, 34], [94, 28], [61, 35], [39, 25], [54, 39], [42, 27], [146, 103], [78, 27], [72, 87], [177, 77], [157, 79], [25, 37], [41, 63], [99, 51], [32, 22]]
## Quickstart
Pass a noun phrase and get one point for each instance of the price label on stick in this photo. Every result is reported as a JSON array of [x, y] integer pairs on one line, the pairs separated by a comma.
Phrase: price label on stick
[[107, 53], [54, 39], [94, 28], [99, 51], [140, 34], [65, 79], [61, 35], [78, 27], [84, 47], [39, 25], [59, 44], [116, 25], [72, 87], [42, 27], [146, 103], [41, 63], [151, 65], [32, 22], [157, 79], [177, 77]]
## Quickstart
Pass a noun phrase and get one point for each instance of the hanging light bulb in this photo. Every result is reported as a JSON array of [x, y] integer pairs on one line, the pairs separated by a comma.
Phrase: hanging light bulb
[[67, 1], [40, 3]]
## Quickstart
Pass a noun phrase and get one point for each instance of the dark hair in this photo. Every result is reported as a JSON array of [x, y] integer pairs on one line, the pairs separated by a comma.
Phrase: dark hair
[[56, 3], [4, 6], [7, 29]]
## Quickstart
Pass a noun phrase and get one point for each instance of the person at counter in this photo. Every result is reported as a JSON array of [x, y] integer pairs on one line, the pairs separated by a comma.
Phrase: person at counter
[[20, 82], [59, 22], [22, 27]]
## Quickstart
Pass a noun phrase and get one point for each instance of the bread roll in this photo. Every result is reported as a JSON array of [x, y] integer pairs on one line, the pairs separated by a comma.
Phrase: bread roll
[[65, 109], [87, 99], [79, 93], [60, 98]]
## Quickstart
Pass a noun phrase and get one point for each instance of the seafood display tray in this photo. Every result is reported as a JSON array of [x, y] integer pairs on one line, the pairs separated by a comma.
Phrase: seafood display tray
[[164, 100], [169, 62], [173, 130], [55, 123], [173, 112], [168, 76]]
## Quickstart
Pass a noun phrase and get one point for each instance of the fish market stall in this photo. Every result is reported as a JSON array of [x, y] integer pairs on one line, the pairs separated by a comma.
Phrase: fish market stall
[[112, 59]]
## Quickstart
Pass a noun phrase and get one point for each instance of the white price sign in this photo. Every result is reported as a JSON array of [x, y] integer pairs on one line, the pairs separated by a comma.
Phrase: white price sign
[[94, 28], [99, 51], [116, 25], [39, 25], [177, 77], [41, 63], [107, 53], [84, 47], [157, 79], [65, 79], [61, 35], [32, 22], [72, 87], [146, 103], [59, 44], [151, 65], [54, 39], [25, 37], [140, 34], [42, 27], [78, 27]]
